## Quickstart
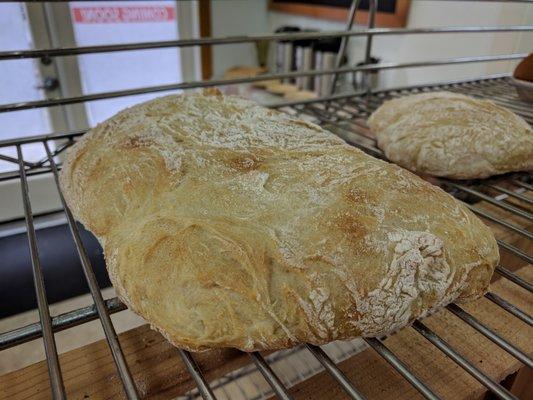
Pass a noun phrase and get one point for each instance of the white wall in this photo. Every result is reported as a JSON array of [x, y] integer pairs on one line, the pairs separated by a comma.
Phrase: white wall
[[233, 17], [426, 47]]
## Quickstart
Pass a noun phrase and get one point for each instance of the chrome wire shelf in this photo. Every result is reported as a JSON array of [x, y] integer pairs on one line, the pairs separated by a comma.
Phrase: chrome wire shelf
[[71, 51], [344, 115]]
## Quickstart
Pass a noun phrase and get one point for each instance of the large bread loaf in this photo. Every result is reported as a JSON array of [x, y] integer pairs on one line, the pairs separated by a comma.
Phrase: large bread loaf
[[228, 224]]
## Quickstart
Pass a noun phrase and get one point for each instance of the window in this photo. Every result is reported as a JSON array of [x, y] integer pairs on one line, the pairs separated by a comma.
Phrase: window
[[99, 23], [20, 80], [49, 25]]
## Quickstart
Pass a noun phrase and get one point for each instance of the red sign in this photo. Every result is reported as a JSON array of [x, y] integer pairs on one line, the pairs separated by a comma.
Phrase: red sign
[[127, 14]]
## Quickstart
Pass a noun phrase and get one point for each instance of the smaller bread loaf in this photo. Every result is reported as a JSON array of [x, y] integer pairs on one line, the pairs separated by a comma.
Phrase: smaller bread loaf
[[451, 135]]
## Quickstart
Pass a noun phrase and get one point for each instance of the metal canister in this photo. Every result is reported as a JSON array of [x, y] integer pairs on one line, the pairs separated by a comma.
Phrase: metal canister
[[285, 53], [366, 79], [304, 61], [325, 56]]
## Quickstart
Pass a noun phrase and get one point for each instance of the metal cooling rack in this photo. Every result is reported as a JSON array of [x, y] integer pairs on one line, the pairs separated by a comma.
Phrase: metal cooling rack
[[344, 117], [343, 114]]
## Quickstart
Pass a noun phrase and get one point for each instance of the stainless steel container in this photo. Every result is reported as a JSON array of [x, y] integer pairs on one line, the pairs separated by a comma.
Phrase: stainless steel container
[[285, 53], [366, 79], [328, 62], [304, 61], [325, 55]]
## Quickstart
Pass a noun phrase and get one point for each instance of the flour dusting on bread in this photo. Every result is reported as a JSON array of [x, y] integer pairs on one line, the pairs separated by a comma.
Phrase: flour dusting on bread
[[226, 224]]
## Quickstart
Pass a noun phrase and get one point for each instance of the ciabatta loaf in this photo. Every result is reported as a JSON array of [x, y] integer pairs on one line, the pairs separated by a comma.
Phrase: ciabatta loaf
[[452, 135], [228, 224]]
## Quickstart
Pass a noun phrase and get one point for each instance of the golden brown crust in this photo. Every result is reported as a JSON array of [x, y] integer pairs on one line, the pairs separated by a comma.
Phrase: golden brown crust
[[226, 224], [452, 135]]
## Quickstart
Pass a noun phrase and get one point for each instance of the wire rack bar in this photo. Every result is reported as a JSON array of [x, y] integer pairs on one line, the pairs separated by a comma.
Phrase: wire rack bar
[[399, 366], [344, 42], [491, 335], [52, 359], [8, 175], [194, 370], [269, 375], [482, 92], [511, 193], [381, 92], [372, 8], [60, 322], [488, 199], [514, 278], [249, 369], [73, 134], [15, 161], [56, 152], [71, 51], [484, 379], [335, 372], [518, 313], [220, 82], [40, 138], [107, 325], [513, 105], [506, 97], [522, 184], [515, 251], [500, 221]]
